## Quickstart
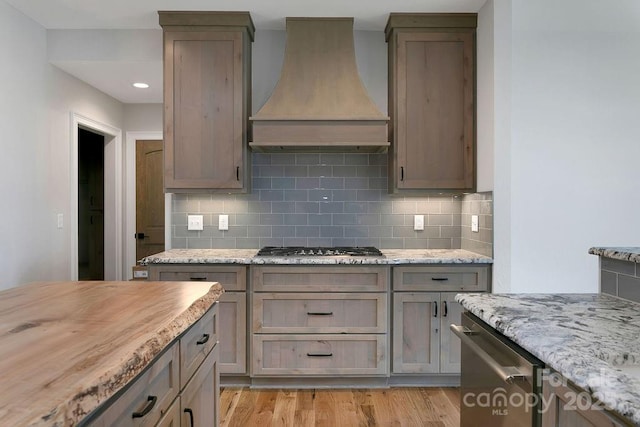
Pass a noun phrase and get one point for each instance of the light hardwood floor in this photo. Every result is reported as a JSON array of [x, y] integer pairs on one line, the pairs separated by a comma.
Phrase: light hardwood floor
[[434, 407]]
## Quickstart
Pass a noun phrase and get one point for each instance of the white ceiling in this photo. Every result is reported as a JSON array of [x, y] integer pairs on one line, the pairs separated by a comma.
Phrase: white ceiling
[[114, 76]]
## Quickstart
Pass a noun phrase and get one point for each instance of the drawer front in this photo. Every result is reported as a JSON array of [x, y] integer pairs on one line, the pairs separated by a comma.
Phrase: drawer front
[[293, 278], [443, 278], [319, 355], [232, 278], [320, 313], [197, 342], [154, 390]]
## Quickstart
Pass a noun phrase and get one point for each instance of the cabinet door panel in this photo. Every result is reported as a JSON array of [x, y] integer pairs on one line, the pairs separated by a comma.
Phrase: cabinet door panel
[[199, 399], [416, 332], [204, 110], [451, 313], [233, 333]]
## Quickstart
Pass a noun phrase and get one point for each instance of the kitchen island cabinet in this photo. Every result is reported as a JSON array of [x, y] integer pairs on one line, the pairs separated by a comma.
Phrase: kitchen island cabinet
[[207, 100], [431, 102], [91, 353]]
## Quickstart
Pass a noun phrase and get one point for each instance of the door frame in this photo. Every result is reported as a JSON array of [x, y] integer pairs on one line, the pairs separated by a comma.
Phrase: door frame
[[130, 215], [112, 195]]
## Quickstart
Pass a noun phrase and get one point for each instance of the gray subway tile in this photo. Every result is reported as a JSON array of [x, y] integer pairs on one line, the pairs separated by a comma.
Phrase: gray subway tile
[[440, 219], [283, 207], [222, 243], [356, 159], [198, 243], [296, 195], [307, 207], [271, 241], [356, 207], [608, 283], [236, 231], [368, 219], [212, 204], [368, 171], [403, 231], [393, 220], [332, 183], [283, 159], [378, 183], [356, 231], [270, 170], [344, 171], [320, 195], [282, 231], [439, 244], [236, 205], [247, 243], [378, 159], [356, 183], [331, 231], [179, 218], [319, 219], [392, 243], [260, 159], [272, 195], [344, 241], [259, 231], [332, 158], [307, 158], [344, 219], [380, 231], [294, 241], [271, 219], [319, 241], [259, 183], [296, 171], [247, 219], [307, 231], [368, 195], [321, 171], [178, 243], [295, 219], [618, 266], [259, 207], [451, 231], [629, 287], [368, 241], [416, 243], [284, 183], [344, 195], [332, 207], [404, 207], [310, 183]]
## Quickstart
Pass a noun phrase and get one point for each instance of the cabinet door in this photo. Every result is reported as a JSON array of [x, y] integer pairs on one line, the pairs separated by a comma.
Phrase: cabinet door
[[233, 333], [451, 312], [416, 332], [205, 111], [199, 399], [433, 110]]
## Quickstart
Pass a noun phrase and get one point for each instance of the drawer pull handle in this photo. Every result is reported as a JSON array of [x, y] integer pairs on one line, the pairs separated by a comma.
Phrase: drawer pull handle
[[190, 412], [439, 279], [319, 354], [445, 309], [435, 311], [319, 313], [205, 338], [198, 278], [151, 402]]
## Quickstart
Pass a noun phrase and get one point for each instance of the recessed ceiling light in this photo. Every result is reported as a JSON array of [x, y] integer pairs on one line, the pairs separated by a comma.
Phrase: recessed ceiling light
[[141, 85]]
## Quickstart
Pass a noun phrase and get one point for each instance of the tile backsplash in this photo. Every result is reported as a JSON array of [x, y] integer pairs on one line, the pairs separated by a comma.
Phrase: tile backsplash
[[328, 199], [480, 204]]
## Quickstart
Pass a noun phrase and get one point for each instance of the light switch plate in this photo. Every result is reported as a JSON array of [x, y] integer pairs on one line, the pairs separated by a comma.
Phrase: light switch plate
[[418, 222], [474, 223], [223, 222], [194, 222]]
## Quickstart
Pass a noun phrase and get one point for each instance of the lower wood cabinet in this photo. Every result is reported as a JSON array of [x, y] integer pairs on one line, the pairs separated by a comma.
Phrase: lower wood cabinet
[[181, 388], [423, 308], [232, 307], [319, 321], [422, 341]]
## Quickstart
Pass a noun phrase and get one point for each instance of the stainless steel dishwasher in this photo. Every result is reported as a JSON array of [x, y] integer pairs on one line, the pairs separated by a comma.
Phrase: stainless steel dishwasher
[[499, 385]]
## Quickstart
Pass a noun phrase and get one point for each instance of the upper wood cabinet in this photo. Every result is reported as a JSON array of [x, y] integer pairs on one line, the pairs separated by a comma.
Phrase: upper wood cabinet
[[431, 102], [207, 100]]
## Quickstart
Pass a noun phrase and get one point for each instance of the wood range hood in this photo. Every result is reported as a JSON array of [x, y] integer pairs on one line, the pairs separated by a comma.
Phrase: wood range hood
[[319, 103]]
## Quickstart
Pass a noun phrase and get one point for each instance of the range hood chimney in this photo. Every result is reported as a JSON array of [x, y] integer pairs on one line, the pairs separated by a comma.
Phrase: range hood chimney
[[319, 103]]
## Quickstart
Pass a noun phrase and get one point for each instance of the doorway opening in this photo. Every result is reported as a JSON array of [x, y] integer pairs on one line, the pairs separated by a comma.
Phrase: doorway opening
[[90, 205]]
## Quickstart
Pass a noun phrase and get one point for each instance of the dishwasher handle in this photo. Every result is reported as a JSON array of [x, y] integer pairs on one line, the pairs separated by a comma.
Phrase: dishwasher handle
[[508, 374]]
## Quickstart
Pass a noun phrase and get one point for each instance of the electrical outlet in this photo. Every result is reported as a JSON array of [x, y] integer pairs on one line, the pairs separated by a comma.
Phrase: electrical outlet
[[474, 223], [223, 222], [194, 222], [418, 222]]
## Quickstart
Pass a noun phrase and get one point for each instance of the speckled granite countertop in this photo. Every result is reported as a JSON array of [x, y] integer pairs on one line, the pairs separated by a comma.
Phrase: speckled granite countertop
[[591, 339], [67, 347], [623, 254], [248, 256]]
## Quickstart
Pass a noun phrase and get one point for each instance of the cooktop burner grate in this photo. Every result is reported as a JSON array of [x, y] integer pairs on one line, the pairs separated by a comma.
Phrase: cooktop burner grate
[[319, 251]]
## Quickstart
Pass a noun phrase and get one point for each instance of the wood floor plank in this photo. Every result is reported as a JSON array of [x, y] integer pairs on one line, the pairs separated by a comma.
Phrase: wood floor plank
[[395, 407]]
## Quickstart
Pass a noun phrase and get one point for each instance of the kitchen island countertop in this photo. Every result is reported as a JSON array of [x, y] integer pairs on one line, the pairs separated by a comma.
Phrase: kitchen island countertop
[[248, 256], [591, 339], [67, 347]]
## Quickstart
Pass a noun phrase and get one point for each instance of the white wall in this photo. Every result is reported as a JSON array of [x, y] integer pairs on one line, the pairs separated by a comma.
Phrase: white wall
[[35, 107], [572, 157]]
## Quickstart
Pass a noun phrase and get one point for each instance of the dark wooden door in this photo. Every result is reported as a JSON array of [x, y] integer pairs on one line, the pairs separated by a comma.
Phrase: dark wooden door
[[149, 199]]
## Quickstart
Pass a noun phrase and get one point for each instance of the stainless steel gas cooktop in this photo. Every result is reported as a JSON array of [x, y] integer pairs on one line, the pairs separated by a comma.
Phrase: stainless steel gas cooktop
[[286, 251]]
